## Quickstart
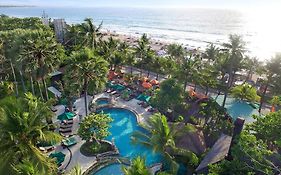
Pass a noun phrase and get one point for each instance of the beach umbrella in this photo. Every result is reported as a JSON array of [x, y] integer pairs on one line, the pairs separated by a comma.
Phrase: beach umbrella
[[66, 116], [109, 84], [144, 79], [154, 82], [118, 87], [112, 75], [146, 85], [59, 156], [144, 98]]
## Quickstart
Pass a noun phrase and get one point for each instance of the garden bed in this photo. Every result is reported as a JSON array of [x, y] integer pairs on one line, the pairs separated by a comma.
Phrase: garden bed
[[92, 148]]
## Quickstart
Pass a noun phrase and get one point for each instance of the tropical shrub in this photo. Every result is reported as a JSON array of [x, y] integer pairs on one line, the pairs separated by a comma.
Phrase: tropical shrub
[[94, 127], [245, 92]]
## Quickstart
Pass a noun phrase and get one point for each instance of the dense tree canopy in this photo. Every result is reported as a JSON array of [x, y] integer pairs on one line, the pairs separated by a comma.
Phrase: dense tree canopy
[[169, 95], [245, 92], [94, 126], [23, 126]]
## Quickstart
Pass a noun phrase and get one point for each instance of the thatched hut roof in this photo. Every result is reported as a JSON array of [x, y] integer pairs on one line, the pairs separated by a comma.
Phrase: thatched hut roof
[[217, 153]]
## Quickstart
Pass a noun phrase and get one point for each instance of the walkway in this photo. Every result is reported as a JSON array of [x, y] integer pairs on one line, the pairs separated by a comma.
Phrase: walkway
[[77, 158]]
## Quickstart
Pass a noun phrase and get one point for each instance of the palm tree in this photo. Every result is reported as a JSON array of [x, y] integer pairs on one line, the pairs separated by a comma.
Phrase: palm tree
[[39, 56], [130, 60], [137, 167], [91, 33], [253, 65], [275, 101], [208, 77], [76, 170], [142, 50], [161, 139], [91, 68], [71, 87], [188, 70], [177, 52], [74, 38], [6, 88], [5, 54], [156, 65], [23, 126], [27, 168], [211, 52], [245, 92], [272, 72], [235, 49]]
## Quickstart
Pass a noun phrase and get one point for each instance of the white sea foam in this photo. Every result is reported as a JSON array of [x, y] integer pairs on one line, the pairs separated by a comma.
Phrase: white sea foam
[[191, 27]]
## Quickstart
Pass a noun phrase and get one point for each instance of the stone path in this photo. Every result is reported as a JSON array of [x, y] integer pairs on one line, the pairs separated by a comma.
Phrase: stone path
[[77, 158]]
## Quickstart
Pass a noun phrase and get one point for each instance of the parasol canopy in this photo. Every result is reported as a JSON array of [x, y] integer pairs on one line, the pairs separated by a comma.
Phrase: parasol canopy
[[146, 85], [66, 116], [154, 82]]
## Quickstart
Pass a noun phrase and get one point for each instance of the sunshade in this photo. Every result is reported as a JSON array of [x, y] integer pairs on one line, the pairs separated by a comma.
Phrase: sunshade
[[69, 141], [66, 116], [154, 82], [144, 79], [109, 84], [146, 85], [143, 97], [118, 87], [59, 156], [112, 75]]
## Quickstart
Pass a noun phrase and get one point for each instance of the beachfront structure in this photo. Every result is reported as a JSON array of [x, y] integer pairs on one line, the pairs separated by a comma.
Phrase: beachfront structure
[[221, 149], [45, 19], [217, 153], [60, 27]]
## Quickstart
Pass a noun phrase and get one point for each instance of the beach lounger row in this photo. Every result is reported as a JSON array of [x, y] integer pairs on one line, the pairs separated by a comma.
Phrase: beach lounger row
[[67, 130]]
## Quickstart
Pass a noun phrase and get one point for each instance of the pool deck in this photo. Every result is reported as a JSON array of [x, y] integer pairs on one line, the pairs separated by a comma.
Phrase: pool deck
[[77, 158]]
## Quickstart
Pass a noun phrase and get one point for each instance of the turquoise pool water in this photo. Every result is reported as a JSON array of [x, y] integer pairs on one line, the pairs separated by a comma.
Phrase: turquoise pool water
[[102, 102], [110, 170], [237, 108], [124, 124]]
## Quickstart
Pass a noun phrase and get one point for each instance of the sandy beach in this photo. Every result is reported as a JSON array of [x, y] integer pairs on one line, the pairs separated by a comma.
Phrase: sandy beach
[[156, 45]]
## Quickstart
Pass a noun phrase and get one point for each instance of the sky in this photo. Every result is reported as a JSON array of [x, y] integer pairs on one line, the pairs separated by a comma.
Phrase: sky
[[150, 3]]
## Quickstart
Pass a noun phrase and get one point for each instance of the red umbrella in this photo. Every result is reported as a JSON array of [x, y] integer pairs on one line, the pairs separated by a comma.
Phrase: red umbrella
[[154, 82], [144, 79], [112, 75], [146, 85]]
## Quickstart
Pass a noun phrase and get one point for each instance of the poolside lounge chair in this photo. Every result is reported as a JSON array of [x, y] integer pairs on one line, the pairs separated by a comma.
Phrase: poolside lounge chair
[[152, 110], [67, 122], [118, 94], [109, 90], [66, 116], [46, 148], [145, 105], [69, 142], [113, 92], [67, 130], [65, 126], [140, 103]]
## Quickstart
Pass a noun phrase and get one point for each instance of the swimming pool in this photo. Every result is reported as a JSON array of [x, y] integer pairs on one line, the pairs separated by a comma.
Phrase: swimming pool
[[123, 125], [114, 169], [102, 102], [236, 108]]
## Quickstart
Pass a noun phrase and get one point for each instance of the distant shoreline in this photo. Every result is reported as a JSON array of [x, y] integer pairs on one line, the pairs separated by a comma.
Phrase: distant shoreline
[[10, 6]]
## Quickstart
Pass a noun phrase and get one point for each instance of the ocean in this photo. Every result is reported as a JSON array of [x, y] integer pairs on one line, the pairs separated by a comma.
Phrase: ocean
[[192, 27]]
